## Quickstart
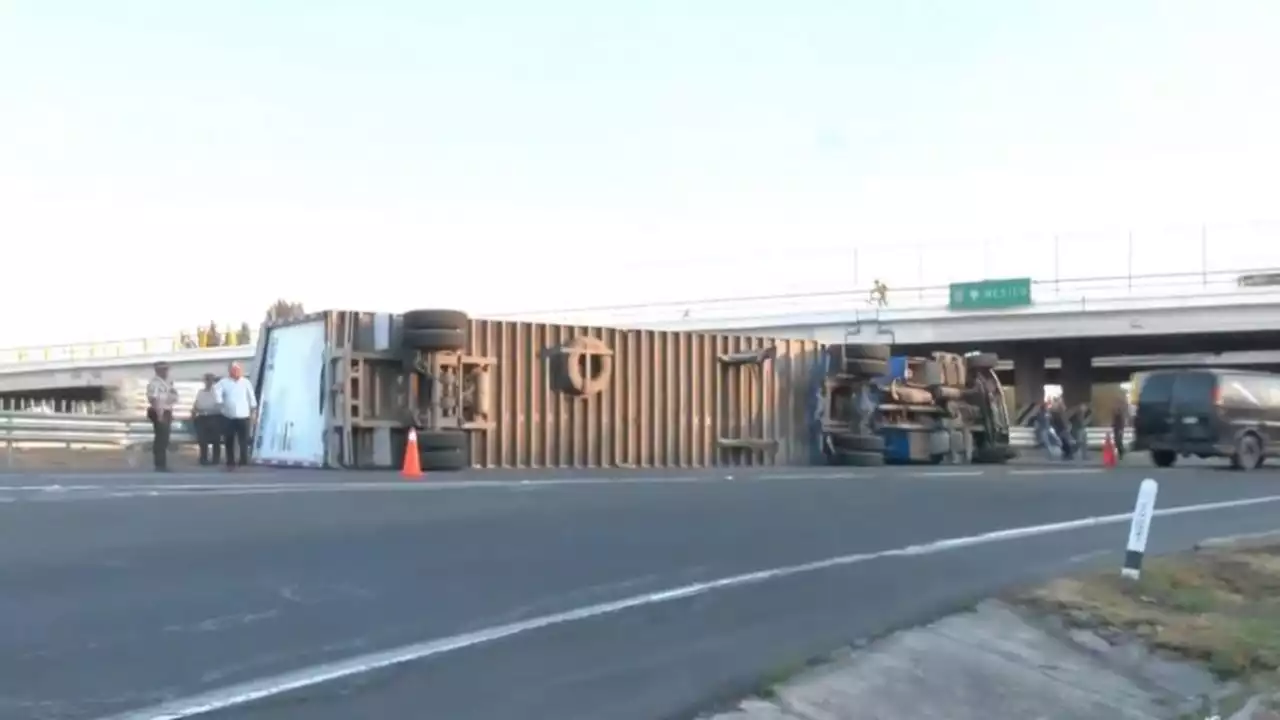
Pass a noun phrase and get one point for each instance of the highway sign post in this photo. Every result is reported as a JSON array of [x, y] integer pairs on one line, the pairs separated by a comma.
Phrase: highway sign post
[[991, 294], [1139, 529]]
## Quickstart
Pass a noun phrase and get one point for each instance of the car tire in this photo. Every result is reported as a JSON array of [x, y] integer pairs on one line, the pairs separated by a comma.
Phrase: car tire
[[1164, 458], [1248, 452]]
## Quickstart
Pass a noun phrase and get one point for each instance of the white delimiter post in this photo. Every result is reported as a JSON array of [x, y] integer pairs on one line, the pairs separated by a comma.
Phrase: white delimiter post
[[1139, 529]]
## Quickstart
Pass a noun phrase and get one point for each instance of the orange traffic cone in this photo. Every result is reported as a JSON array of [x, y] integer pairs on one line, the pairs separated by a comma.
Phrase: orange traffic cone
[[1108, 452], [412, 468]]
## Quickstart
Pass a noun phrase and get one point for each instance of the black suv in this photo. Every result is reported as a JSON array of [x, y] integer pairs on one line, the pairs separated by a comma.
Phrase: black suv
[[1209, 413]]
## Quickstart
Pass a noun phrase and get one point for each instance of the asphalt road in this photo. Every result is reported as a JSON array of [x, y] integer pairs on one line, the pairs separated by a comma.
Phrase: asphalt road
[[126, 592]]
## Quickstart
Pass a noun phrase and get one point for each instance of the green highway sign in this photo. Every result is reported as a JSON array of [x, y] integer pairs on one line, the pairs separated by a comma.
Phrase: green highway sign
[[991, 294]]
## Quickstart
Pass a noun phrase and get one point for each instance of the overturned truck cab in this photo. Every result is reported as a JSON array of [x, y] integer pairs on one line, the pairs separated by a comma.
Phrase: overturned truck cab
[[880, 408]]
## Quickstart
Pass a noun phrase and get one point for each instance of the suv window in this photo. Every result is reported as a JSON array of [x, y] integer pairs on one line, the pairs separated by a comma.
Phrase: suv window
[[1251, 390], [1194, 389], [1156, 389]]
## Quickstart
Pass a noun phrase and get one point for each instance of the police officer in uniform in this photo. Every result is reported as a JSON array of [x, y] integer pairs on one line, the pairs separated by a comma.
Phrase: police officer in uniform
[[161, 399]]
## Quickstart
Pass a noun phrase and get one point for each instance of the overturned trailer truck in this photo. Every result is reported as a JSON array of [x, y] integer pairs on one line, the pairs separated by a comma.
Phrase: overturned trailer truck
[[882, 408], [339, 389]]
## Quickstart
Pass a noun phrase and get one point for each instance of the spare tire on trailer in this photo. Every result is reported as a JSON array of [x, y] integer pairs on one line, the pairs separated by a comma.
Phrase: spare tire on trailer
[[582, 367], [437, 320], [982, 361]]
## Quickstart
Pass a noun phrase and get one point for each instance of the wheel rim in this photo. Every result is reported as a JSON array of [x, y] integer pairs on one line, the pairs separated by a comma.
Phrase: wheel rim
[[1250, 452]]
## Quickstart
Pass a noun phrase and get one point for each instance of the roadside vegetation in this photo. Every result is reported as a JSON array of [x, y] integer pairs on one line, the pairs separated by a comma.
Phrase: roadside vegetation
[[1219, 606]]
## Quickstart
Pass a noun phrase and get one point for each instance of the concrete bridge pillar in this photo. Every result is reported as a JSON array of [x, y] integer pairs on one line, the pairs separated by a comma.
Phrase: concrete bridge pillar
[[1028, 376], [1077, 377]]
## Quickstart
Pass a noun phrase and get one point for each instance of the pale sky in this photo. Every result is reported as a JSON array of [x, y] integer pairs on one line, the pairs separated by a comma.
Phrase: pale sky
[[498, 156]]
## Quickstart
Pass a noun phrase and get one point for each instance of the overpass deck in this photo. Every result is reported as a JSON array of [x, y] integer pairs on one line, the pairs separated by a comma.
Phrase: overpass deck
[[907, 305], [1217, 302]]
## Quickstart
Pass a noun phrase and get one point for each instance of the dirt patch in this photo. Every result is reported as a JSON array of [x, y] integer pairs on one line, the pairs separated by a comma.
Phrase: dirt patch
[[1218, 606]]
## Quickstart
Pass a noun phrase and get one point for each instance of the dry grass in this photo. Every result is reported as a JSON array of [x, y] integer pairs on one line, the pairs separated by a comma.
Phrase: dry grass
[[1219, 606]]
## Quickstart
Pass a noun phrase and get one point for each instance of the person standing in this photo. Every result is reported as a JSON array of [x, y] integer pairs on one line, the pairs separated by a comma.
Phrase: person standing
[[238, 403], [161, 399], [1061, 427], [1080, 430], [1119, 421], [207, 416]]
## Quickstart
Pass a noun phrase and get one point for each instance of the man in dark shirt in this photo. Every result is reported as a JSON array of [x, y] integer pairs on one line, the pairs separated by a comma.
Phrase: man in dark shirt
[[1119, 421]]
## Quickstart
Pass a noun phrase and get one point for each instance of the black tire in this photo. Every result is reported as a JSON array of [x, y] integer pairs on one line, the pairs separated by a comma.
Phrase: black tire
[[443, 460], [437, 320], [435, 340], [982, 361], [1164, 458], [1248, 454], [993, 455], [442, 440], [859, 351], [851, 458], [858, 443]]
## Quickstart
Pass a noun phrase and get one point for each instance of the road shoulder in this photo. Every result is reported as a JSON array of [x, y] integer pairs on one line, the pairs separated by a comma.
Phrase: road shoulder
[[1197, 637]]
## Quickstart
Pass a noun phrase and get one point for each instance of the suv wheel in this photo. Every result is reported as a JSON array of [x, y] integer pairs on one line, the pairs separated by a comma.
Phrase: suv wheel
[[1248, 452], [1164, 458]]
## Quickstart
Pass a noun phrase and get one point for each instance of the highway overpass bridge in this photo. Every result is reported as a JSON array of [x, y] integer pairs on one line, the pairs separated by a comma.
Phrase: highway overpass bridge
[[193, 364], [1072, 332], [1078, 322], [105, 372]]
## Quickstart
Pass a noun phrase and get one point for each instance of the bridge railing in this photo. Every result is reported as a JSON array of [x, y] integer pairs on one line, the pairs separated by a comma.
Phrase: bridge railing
[[903, 303], [136, 347], [1063, 295]]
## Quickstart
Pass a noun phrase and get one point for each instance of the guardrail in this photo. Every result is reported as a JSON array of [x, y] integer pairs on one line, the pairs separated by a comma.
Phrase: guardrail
[[23, 429], [1175, 290]]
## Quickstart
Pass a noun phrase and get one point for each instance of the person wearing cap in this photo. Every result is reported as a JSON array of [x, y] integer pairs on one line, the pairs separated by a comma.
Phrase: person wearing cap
[[238, 403], [161, 399], [207, 416]]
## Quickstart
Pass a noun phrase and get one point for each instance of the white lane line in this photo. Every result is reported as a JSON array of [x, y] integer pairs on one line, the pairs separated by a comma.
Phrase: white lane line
[[234, 486], [947, 473], [406, 485], [1059, 471], [243, 693]]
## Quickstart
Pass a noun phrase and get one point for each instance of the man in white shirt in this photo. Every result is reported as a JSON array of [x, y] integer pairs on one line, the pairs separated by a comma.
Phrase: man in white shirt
[[239, 404]]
